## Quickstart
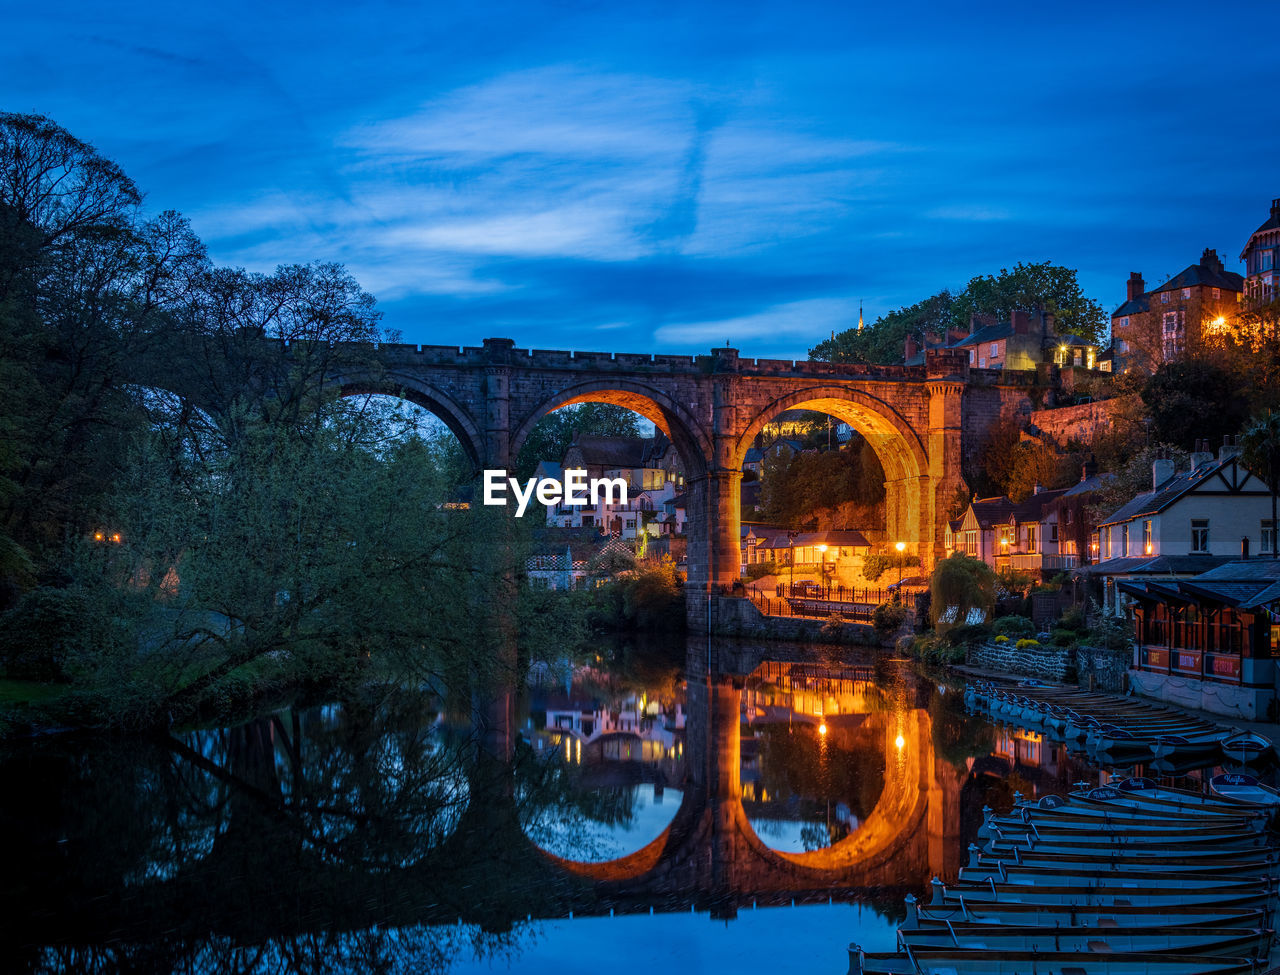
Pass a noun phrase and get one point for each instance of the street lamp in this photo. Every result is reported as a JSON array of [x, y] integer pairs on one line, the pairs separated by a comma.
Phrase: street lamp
[[822, 568], [901, 547]]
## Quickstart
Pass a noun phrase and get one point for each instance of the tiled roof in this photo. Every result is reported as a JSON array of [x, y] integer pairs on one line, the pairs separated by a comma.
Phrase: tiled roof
[[619, 452], [989, 333], [1241, 583], [1134, 306], [1159, 565], [1208, 276], [1166, 494]]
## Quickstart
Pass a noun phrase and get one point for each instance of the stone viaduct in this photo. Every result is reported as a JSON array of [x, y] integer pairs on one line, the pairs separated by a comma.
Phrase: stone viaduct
[[922, 421]]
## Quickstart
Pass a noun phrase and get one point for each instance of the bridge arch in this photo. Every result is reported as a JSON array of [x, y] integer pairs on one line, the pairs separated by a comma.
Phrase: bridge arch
[[437, 402], [899, 446], [687, 435]]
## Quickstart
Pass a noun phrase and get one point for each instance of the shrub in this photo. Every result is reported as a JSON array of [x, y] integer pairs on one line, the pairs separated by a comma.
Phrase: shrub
[[888, 617], [759, 570], [969, 633], [1024, 644], [1002, 639], [1014, 626], [1063, 638], [1073, 619]]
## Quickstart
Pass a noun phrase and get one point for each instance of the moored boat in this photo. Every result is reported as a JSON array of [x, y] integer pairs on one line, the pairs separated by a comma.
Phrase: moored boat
[[1246, 747]]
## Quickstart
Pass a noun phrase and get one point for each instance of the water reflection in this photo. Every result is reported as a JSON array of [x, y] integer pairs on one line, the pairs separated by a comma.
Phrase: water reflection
[[388, 832]]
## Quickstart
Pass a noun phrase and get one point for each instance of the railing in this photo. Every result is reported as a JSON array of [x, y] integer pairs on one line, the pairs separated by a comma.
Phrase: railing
[[1034, 561], [842, 594]]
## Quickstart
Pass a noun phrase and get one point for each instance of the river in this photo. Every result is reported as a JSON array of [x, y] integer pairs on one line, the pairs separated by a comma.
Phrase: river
[[716, 806]]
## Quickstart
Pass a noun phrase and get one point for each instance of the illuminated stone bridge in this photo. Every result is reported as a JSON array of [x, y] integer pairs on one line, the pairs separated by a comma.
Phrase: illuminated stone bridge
[[922, 421]]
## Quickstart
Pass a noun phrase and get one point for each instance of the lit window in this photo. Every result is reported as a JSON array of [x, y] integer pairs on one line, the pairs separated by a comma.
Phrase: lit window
[[1146, 537], [1199, 534]]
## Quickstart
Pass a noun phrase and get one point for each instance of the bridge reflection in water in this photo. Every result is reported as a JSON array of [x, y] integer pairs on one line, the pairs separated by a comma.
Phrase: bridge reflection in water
[[292, 826]]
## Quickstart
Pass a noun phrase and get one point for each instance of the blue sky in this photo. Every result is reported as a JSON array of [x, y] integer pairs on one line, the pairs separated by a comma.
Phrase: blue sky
[[648, 177]]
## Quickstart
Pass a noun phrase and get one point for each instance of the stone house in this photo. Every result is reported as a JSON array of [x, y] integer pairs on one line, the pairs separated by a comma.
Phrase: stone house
[[1158, 326]]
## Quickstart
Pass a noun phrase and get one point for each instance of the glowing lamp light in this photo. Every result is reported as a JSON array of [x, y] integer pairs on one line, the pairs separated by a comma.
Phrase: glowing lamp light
[[1148, 552], [98, 536], [901, 547], [900, 742], [822, 728], [116, 538]]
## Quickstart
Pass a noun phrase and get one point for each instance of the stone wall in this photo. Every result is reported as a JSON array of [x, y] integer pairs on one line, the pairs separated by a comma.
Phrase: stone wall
[[1044, 661], [1103, 670], [1079, 422], [736, 616]]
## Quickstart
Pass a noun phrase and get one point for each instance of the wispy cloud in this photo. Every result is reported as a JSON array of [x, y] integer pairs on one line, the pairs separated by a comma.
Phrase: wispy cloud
[[812, 319]]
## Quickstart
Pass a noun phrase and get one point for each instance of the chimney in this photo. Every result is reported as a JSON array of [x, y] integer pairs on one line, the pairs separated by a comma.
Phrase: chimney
[[1037, 488], [957, 334], [1229, 448], [1049, 324], [1202, 455], [1020, 322], [1162, 469], [1275, 208], [1211, 261], [1090, 468], [1135, 288], [932, 340], [909, 347]]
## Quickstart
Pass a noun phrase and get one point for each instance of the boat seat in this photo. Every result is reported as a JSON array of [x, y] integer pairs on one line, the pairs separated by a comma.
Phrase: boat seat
[[1108, 922], [1100, 946]]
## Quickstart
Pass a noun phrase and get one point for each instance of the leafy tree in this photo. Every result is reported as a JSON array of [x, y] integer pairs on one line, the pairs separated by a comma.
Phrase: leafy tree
[[1029, 286], [959, 585], [552, 435], [882, 341], [1011, 464], [797, 488], [1192, 398], [1260, 451]]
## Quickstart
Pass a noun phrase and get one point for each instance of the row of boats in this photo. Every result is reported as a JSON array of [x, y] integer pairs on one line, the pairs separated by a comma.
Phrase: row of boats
[[1117, 730], [1125, 879]]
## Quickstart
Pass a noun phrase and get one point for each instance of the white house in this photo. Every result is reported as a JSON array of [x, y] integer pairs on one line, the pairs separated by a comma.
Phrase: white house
[[1188, 523]]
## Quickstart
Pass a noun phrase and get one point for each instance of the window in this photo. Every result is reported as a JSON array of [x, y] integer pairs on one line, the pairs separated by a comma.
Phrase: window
[[1268, 536], [1122, 345], [1066, 516], [1217, 293], [1053, 532], [1174, 334], [982, 363], [1164, 297], [1199, 534], [1146, 537], [1124, 322], [1124, 540], [1107, 549], [1186, 293], [1033, 538], [995, 350]]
